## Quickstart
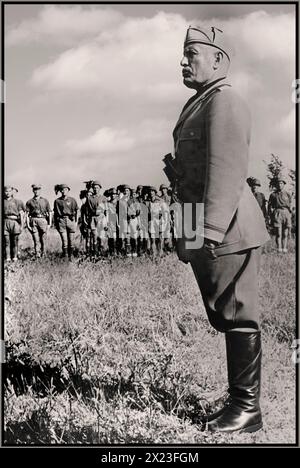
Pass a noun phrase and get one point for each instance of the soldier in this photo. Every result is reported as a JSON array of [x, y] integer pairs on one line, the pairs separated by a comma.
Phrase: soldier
[[122, 210], [211, 158], [166, 242], [65, 219], [113, 222], [14, 211], [139, 192], [279, 208], [260, 198], [38, 220], [97, 213], [133, 223], [155, 207]]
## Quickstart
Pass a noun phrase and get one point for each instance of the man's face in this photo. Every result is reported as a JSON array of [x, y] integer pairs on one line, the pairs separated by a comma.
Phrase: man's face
[[152, 194], [197, 65], [64, 191], [127, 192], [96, 189], [8, 193], [281, 185], [164, 191], [36, 192]]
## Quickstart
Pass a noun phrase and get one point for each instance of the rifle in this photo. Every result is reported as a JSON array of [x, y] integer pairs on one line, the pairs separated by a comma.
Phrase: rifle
[[171, 169]]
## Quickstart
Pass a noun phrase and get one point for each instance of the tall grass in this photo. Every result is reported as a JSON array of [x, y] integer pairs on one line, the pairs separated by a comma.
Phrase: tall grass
[[122, 352]]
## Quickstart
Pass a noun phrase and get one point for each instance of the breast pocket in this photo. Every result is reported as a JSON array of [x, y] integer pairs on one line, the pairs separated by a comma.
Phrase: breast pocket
[[192, 156]]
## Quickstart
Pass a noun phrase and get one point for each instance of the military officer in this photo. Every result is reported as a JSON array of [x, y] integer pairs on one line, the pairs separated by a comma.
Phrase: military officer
[[279, 207], [211, 140], [14, 211], [97, 213], [38, 219], [65, 219]]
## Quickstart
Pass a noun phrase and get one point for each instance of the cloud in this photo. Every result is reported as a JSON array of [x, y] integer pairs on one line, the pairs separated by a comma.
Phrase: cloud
[[285, 129], [63, 25], [107, 141]]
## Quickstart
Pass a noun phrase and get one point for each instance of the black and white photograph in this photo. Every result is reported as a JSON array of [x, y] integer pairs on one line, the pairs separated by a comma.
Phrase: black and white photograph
[[149, 226]]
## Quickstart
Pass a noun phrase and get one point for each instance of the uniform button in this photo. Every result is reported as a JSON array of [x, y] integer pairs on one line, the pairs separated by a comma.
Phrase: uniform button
[[192, 133]]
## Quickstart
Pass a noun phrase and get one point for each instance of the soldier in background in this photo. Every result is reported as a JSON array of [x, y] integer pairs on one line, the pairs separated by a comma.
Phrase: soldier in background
[[260, 198], [14, 211], [65, 219], [279, 208], [166, 241], [97, 213], [139, 192], [83, 221], [113, 222], [122, 211], [38, 220], [155, 221], [133, 223]]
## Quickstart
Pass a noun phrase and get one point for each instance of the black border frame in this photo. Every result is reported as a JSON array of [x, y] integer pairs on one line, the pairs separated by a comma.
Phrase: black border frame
[[143, 448]]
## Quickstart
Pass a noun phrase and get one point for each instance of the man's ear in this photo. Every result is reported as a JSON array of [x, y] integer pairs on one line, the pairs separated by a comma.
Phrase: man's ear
[[218, 59]]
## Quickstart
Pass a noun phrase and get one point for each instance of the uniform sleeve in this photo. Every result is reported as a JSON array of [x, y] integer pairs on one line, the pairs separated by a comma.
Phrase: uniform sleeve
[[48, 209], [28, 206], [228, 133], [21, 206]]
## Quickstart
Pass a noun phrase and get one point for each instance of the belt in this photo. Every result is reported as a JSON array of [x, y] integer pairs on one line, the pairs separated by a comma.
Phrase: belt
[[40, 216], [13, 217]]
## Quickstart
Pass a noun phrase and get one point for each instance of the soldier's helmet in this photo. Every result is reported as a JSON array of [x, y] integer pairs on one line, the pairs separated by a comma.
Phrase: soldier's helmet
[[125, 186], [139, 188], [62, 186], [36, 186], [96, 182]]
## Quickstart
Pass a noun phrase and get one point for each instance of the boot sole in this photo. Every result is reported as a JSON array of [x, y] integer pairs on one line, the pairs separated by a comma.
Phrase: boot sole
[[254, 428]]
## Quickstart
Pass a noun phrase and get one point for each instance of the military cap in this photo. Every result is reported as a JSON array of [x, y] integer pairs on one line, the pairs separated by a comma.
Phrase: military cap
[[96, 182], [113, 191], [36, 186], [162, 186], [125, 186], [62, 186], [213, 37], [256, 182], [281, 179], [139, 187], [151, 187]]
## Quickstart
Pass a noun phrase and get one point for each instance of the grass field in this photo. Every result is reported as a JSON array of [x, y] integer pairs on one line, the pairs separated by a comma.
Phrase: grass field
[[122, 352]]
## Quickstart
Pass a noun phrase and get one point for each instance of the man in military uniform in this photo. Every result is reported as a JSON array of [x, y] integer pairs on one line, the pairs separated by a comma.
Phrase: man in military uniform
[[112, 222], [65, 219], [211, 140], [122, 211], [97, 213], [14, 211], [156, 211], [279, 208], [38, 220], [260, 198], [166, 241]]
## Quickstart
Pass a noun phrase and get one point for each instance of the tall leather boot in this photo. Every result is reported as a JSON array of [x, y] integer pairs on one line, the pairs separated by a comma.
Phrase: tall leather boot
[[242, 411]]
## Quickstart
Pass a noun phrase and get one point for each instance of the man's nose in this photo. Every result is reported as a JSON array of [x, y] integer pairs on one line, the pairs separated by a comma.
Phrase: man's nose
[[184, 61]]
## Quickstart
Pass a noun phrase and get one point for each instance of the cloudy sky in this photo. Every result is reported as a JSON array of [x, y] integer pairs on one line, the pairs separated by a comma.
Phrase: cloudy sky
[[94, 91]]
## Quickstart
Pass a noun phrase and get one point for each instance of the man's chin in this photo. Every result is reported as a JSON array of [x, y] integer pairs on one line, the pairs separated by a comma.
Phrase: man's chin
[[188, 82]]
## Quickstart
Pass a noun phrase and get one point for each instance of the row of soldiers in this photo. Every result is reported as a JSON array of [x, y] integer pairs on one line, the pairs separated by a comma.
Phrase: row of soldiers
[[278, 212], [122, 221]]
